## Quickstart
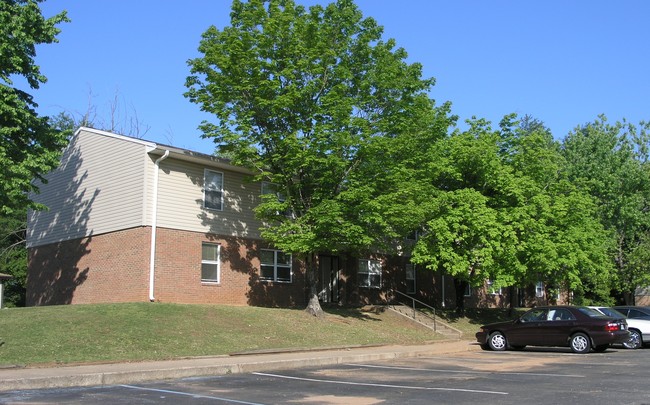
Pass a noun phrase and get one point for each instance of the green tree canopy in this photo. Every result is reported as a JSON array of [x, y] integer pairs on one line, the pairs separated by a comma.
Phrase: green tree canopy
[[610, 162], [29, 146], [299, 96]]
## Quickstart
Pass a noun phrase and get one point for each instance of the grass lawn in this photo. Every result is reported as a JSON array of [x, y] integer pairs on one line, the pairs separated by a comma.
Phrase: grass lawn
[[145, 331]]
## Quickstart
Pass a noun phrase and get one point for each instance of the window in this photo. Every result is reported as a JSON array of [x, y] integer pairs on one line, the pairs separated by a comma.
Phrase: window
[[492, 290], [539, 289], [213, 190], [635, 313], [275, 265], [369, 273], [272, 189], [560, 315], [210, 262], [468, 290], [410, 278], [534, 315]]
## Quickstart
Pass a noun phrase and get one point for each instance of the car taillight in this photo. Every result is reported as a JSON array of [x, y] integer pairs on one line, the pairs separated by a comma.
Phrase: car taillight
[[612, 327]]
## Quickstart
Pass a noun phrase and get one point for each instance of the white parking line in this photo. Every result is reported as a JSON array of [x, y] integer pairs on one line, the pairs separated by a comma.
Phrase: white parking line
[[465, 371], [409, 387], [188, 394]]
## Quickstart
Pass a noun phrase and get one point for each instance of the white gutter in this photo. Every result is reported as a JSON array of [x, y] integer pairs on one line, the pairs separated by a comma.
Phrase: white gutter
[[154, 220]]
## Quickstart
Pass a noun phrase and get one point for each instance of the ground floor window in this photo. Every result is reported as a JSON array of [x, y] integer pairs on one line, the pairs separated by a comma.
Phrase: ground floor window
[[410, 278], [210, 262], [275, 265], [539, 289], [369, 273]]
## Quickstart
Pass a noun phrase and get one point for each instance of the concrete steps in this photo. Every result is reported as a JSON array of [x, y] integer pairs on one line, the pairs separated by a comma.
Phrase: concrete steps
[[420, 317]]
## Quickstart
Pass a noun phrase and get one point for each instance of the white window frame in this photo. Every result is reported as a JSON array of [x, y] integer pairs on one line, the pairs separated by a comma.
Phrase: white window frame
[[492, 290], [539, 289], [276, 266], [207, 187], [210, 262], [369, 268]]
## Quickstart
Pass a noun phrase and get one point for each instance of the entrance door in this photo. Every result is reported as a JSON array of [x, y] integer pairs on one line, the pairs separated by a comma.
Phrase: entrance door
[[329, 278]]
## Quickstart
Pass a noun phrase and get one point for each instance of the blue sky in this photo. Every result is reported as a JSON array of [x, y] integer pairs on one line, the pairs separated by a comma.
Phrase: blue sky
[[563, 62]]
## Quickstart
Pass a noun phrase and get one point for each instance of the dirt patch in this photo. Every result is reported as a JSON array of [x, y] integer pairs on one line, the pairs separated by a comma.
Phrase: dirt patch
[[338, 400]]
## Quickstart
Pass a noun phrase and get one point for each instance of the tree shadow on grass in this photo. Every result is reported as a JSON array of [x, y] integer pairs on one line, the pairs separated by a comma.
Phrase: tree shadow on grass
[[480, 316], [364, 313]]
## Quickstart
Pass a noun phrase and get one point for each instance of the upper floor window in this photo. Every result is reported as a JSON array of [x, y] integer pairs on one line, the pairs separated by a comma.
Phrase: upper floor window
[[213, 190], [275, 265], [492, 290], [412, 236], [369, 273], [210, 262], [269, 188]]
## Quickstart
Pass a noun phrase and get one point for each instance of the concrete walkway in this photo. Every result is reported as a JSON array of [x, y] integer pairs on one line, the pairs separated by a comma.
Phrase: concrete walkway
[[129, 373]]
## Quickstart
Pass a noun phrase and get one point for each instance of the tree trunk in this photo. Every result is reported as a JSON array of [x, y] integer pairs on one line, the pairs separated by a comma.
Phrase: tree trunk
[[313, 306], [512, 295]]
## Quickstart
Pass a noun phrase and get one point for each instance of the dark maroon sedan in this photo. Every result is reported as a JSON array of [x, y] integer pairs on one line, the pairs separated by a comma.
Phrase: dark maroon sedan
[[579, 328]]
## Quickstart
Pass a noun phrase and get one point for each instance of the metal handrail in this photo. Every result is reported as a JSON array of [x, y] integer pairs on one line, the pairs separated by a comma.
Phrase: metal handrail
[[413, 302]]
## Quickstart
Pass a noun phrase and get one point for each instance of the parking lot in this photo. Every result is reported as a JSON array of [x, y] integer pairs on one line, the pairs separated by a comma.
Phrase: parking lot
[[535, 375]]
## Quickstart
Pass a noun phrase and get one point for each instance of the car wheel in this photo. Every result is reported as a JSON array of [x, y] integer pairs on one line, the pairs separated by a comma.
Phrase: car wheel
[[485, 346], [580, 343], [634, 342], [497, 342]]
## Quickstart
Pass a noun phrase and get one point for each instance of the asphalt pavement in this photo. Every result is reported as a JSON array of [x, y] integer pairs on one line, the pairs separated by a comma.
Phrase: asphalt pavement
[[25, 378]]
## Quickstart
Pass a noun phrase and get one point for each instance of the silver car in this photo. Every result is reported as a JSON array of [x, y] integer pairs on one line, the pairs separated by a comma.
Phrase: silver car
[[639, 328]]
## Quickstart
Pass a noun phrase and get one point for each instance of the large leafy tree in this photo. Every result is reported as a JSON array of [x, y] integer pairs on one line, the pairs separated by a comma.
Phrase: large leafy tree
[[610, 162], [29, 146], [560, 238], [300, 96], [467, 231], [13, 256]]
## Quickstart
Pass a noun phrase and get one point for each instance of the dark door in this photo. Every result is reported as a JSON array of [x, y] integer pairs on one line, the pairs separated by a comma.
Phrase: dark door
[[329, 278]]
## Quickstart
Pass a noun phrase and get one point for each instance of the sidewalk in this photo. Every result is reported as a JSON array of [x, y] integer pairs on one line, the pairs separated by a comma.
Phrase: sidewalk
[[129, 373]]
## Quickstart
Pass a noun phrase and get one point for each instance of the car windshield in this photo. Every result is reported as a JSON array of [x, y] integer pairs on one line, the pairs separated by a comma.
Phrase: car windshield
[[590, 312]]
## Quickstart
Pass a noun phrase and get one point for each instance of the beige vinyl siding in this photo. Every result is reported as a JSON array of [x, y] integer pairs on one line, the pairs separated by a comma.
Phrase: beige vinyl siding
[[180, 201], [97, 189]]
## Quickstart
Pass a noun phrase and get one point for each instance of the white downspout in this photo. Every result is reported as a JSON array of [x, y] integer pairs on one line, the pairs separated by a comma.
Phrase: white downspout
[[442, 277], [154, 220]]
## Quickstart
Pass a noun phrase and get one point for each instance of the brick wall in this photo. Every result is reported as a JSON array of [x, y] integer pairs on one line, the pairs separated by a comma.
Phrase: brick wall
[[114, 267], [111, 267]]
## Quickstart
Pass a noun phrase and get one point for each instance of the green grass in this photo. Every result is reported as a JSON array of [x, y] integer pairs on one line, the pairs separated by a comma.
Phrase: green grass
[[145, 331]]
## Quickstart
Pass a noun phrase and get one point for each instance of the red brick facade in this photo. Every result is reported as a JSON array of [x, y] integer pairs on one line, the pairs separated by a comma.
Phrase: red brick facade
[[103, 268], [114, 267]]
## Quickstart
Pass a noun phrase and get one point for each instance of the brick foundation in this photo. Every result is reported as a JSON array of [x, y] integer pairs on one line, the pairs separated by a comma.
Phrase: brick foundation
[[114, 267]]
